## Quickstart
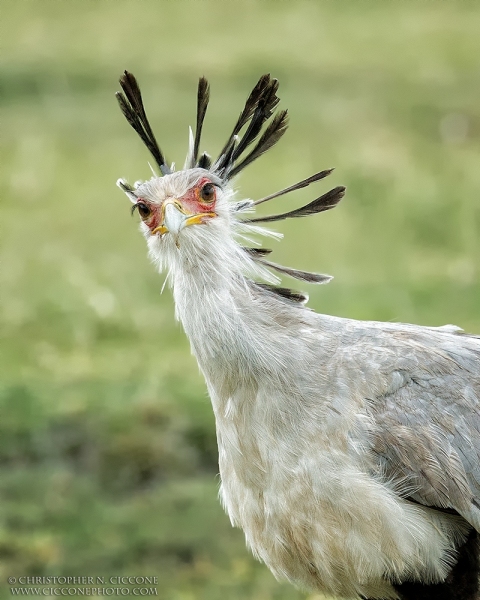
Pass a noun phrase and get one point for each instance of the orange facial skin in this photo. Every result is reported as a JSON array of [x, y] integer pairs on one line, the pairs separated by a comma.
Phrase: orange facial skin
[[192, 203]]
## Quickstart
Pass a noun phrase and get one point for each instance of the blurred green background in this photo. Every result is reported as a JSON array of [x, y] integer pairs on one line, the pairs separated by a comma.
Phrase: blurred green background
[[107, 445]]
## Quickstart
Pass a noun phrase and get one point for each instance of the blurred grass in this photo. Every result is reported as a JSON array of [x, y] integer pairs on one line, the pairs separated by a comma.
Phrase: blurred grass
[[107, 445]]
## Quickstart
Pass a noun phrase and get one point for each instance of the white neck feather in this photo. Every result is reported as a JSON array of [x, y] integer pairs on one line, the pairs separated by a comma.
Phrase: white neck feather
[[232, 326], [215, 309]]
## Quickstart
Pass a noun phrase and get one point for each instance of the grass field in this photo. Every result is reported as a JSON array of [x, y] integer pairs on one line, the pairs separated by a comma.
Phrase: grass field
[[107, 442]]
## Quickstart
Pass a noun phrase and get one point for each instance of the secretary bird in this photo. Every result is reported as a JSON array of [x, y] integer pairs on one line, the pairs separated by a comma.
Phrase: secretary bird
[[349, 451]]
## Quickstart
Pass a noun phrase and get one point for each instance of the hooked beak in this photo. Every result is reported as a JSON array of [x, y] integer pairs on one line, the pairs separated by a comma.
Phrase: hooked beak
[[174, 218]]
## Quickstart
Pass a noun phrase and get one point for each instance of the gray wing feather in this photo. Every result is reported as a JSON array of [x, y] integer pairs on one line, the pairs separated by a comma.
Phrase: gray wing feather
[[425, 437]]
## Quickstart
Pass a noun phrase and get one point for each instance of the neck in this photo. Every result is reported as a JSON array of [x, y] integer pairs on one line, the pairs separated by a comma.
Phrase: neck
[[231, 324], [212, 309]]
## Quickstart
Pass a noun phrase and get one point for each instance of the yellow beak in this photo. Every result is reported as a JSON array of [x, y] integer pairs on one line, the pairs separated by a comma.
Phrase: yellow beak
[[175, 218]]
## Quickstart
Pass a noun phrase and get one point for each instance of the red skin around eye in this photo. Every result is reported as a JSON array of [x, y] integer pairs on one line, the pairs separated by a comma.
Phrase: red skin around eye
[[192, 200], [154, 218]]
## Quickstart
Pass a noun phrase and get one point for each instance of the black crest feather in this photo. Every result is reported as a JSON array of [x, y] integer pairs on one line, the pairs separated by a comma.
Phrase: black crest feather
[[203, 97], [128, 189], [131, 104], [324, 202], [258, 109], [226, 158], [296, 273], [205, 161], [266, 104], [285, 293], [296, 186], [248, 109], [269, 138], [255, 252], [260, 131]]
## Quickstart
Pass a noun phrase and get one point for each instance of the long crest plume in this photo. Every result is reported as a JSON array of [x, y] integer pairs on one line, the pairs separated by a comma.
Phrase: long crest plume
[[236, 154], [324, 202], [131, 104], [203, 97], [258, 109]]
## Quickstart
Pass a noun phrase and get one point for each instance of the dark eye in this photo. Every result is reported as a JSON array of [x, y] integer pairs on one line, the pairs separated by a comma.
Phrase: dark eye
[[208, 192], [143, 210]]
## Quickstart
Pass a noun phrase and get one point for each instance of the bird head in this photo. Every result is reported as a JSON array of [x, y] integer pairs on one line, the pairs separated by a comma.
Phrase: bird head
[[191, 215], [181, 213]]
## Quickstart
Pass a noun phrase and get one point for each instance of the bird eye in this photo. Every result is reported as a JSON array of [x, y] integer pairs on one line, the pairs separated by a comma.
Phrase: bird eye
[[208, 192], [143, 210]]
